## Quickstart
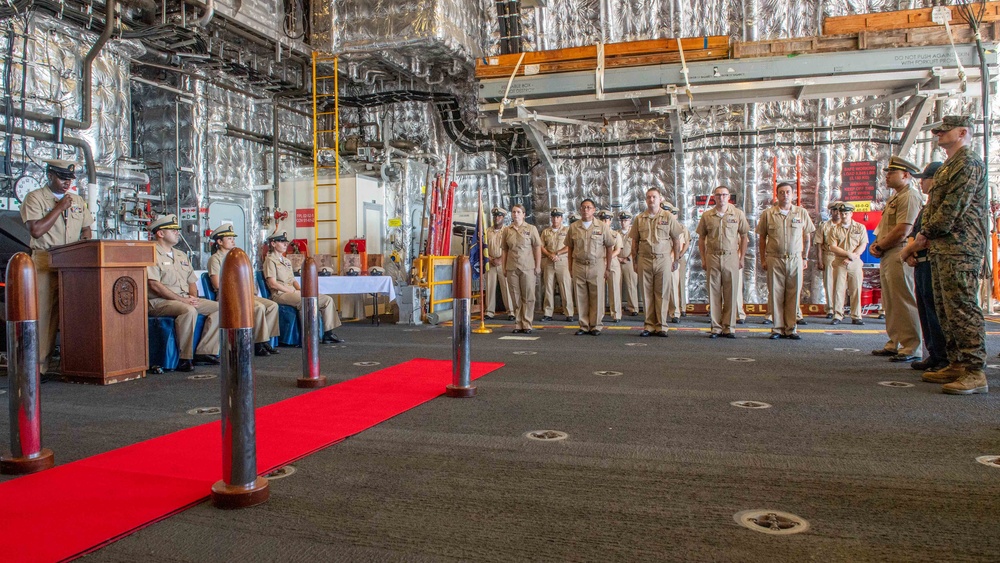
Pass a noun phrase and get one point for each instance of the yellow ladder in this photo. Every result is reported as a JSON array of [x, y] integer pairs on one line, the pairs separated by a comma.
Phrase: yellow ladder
[[326, 138]]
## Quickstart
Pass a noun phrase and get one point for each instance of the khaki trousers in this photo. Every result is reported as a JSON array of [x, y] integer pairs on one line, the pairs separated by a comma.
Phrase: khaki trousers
[[784, 275], [828, 281], [678, 297], [522, 296], [902, 320], [327, 310], [588, 289], [847, 281], [492, 278], [657, 283], [553, 273], [185, 317], [741, 310], [614, 292], [265, 319], [723, 275], [630, 284], [47, 285]]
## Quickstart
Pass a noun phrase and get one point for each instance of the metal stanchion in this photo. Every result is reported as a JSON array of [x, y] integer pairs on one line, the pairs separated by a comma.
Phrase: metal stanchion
[[462, 304], [310, 327], [28, 455], [240, 486]]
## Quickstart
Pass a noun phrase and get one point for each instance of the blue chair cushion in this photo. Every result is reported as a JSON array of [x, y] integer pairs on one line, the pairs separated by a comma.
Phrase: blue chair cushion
[[164, 351]]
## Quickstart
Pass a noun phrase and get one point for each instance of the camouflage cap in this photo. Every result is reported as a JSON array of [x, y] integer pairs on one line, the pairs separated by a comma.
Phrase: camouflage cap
[[951, 122], [896, 163]]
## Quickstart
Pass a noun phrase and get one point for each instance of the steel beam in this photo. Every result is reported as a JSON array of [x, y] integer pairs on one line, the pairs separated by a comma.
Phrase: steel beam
[[917, 120]]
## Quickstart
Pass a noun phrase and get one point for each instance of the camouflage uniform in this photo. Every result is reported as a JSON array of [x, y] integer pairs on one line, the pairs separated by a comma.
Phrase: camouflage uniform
[[956, 221]]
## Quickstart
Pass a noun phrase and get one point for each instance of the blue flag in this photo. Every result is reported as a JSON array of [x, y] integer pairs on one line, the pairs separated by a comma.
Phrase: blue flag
[[478, 243]]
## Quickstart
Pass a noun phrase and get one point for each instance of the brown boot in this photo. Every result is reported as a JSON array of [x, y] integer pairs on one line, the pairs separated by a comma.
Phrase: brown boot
[[944, 375], [974, 381]]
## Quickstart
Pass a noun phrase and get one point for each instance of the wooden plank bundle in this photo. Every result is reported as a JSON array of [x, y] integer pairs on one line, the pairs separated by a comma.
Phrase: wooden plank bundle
[[901, 19]]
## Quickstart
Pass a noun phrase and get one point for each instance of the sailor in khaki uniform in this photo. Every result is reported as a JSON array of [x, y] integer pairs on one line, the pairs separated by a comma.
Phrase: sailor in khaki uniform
[[722, 244], [847, 241], [902, 321], [784, 234], [613, 289], [656, 251], [54, 217], [825, 261], [522, 262], [285, 290], [265, 311], [590, 246], [677, 300], [173, 292], [555, 268], [630, 279], [495, 274]]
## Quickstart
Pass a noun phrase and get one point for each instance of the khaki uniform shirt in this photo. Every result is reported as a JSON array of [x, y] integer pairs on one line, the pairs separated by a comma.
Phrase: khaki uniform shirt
[[588, 246], [616, 266], [494, 242], [823, 234], [215, 262], [520, 242], [902, 207], [785, 233], [67, 227], [173, 270], [626, 244], [847, 238], [723, 232], [654, 234], [280, 268], [554, 240]]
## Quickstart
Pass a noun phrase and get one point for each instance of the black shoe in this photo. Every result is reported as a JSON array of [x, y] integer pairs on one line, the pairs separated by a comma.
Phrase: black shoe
[[661, 333], [581, 332], [883, 352], [729, 335], [774, 336], [857, 322], [270, 349], [616, 321], [489, 317], [741, 321], [684, 314], [904, 358], [645, 333], [924, 364], [829, 315], [881, 317], [206, 360], [185, 366], [570, 319], [260, 350], [595, 332], [835, 322], [714, 335], [792, 336], [330, 338], [633, 313], [527, 331], [675, 320], [511, 318], [801, 322], [767, 323], [546, 318], [517, 331]]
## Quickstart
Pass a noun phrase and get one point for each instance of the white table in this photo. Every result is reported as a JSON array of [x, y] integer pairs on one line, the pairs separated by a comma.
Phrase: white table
[[358, 285]]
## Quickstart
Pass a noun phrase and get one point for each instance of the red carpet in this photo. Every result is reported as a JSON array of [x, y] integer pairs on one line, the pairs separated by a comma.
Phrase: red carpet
[[75, 508]]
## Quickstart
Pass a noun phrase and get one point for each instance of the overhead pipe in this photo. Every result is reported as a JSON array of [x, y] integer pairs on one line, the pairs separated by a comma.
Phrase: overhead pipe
[[88, 153]]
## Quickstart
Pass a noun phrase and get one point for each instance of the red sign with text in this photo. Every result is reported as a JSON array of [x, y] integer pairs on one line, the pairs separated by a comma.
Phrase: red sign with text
[[858, 181], [305, 217]]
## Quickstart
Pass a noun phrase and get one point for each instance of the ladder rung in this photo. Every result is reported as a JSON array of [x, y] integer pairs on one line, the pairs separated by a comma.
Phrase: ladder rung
[[325, 77], [324, 95], [328, 238], [326, 220], [327, 203]]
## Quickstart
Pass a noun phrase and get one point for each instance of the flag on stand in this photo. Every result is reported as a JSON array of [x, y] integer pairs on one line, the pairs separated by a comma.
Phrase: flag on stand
[[479, 251]]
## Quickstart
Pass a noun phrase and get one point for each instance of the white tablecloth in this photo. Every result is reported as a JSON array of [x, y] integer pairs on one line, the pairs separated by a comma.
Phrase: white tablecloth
[[347, 285]]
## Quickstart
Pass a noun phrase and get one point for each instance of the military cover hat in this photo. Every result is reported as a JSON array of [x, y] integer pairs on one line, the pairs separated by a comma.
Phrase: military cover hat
[[604, 215], [847, 207], [951, 122], [61, 168], [929, 170], [556, 212], [669, 207], [834, 206], [278, 237], [499, 212], [896, 163], [624, 215], [165, 223], [223, 230]]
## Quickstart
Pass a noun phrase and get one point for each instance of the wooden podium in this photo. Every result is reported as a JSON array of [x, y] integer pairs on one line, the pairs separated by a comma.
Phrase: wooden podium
[[102, 309]]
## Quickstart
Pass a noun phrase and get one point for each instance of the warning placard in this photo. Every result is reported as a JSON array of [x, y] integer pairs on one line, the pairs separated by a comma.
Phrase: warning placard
[[859, 181], [305, 217]]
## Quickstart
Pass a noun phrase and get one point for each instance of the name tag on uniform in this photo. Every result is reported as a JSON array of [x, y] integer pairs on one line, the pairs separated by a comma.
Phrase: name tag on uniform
[[185, 263], [731, 220], [597, 235], [664, 222], [796, 221], [526, 233]]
